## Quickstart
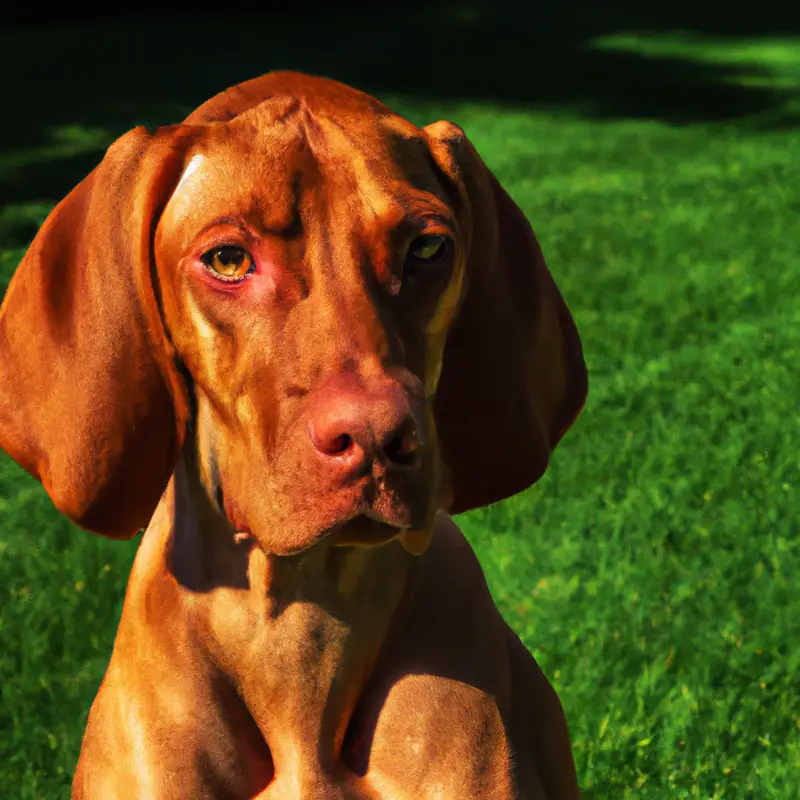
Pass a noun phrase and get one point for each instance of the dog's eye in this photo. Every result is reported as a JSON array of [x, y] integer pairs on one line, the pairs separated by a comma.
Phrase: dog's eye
[[430, 249], [228, 263]]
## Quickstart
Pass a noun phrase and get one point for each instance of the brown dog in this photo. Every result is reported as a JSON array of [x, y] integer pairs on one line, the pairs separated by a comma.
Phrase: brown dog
[[289, 334]]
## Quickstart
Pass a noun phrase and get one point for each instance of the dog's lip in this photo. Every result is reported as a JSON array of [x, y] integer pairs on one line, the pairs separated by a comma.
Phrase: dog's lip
[[235, 517], [365, 529], [360, 530], [361, 525]]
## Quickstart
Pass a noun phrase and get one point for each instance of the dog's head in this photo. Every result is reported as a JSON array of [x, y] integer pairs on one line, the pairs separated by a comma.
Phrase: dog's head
[[349, 314]]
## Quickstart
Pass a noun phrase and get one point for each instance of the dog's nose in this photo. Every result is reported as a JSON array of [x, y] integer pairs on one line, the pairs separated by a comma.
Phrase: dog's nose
[[353, 428]]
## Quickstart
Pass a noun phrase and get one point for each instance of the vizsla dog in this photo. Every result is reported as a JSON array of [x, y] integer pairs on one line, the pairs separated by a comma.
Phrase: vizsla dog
[[289, 336]]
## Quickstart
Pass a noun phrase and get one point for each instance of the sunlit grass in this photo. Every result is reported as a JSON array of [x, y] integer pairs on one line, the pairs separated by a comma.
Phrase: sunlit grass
[[768, 63], [776, 59]]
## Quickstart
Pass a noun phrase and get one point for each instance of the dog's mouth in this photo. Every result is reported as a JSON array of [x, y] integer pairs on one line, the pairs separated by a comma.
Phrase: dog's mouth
[[371, 512], [363, 525], [364, 530]]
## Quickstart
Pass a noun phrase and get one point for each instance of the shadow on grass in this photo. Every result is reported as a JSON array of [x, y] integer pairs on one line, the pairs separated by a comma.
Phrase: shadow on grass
[[104, 75]]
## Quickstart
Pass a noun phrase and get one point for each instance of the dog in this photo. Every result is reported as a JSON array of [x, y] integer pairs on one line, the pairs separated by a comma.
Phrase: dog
[[290, 337]]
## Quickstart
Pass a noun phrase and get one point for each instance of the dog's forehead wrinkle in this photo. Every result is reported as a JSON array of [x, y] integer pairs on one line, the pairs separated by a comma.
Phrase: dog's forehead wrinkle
[[283, 170], [365, 140], [302, 148], [284, 110]]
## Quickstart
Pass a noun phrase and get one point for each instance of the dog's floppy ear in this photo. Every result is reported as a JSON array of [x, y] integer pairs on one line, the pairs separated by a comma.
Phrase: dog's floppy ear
[[90, 401], [513, 377]]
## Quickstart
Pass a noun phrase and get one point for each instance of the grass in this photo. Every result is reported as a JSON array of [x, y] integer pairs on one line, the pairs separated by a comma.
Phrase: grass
[[653, 571]]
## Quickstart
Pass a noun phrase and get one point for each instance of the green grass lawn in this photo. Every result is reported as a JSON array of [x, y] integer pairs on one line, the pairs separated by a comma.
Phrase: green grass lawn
[[654, 570]]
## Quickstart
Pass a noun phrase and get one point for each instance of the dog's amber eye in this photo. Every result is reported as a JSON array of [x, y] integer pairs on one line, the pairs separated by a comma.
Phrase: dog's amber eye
[[429, 249], [228, 263]]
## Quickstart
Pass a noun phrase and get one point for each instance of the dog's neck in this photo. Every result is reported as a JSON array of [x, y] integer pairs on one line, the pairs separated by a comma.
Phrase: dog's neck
[[296, 636]]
